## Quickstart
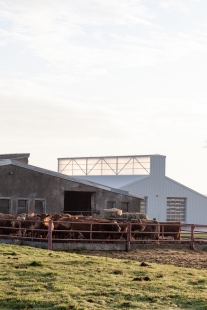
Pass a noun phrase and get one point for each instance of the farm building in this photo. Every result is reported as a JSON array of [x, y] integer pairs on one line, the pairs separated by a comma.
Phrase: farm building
[[29, 189], [165, 199]]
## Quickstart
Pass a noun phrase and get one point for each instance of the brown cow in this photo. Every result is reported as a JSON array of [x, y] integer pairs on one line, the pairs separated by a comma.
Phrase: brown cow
[[33, 225], [101, 229], [115, 228], [122, 232], [63, 225], [7, 222], [62, 222], [170, 229], [150, 230], [136, 228]]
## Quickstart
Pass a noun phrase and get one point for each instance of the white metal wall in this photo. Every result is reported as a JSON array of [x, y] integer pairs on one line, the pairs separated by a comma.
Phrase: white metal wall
[[196, 204], [157, 188]]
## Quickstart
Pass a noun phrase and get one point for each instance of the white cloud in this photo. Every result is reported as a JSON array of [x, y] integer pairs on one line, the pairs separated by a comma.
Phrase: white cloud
[[92, 77], [86, 38], [182, 6]]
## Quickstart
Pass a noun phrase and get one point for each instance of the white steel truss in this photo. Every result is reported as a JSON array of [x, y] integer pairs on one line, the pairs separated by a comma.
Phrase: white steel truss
[[119, 165]]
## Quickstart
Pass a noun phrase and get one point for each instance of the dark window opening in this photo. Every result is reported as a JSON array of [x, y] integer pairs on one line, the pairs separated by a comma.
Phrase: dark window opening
[[111, 204], [77, 202], [22, 206], [4, 206], [125, 206], [39, 206]]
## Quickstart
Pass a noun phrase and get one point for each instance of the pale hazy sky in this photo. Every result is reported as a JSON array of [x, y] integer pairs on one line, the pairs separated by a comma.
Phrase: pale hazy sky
[[106, 77]]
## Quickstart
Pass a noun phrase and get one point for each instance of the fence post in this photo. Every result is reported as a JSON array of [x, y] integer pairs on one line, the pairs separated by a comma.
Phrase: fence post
[[50, 235], [162, 231], [192, 236], [128, 236], [20, 226], [91, 228]]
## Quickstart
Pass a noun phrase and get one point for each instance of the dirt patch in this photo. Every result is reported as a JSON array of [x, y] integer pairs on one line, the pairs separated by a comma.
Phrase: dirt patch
[[182, 258]]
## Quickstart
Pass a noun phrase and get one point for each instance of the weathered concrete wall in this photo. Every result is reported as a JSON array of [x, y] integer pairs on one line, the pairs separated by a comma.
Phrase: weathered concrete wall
[[22, 183], [72, 246], [134, 205]]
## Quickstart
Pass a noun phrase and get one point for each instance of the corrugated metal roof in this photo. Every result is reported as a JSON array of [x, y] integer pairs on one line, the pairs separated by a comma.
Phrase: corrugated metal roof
[[116, 181], [150, 155], [13, 156]]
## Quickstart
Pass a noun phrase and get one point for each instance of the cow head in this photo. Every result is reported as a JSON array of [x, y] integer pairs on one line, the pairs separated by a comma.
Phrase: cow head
[[116, 226]]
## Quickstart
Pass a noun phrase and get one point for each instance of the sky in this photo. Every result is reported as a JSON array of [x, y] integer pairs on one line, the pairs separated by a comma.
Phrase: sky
[[106, 78]]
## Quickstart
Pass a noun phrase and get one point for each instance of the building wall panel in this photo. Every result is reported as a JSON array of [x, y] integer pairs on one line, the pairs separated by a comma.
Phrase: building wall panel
[[157, 189]]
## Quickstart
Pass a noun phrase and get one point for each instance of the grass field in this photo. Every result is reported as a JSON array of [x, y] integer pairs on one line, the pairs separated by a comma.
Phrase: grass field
[[40, 279]]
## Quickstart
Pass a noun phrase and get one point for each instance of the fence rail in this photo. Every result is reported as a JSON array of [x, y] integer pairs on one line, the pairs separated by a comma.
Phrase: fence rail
[[128, 234]]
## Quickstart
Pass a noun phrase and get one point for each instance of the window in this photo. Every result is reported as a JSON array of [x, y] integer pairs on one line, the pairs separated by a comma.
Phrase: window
[[111, 204], [22, 206], [176, 209], [5, 205], [39, 206], [125, 206]]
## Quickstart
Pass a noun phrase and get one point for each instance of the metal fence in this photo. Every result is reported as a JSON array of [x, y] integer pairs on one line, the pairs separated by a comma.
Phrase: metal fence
[[164, 233]]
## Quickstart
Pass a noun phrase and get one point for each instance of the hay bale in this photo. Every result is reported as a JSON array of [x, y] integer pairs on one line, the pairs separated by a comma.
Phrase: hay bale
[[134, 215], [113, 212]]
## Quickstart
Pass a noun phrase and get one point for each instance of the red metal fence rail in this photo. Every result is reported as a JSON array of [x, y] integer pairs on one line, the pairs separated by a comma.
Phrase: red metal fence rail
[[189, 233]]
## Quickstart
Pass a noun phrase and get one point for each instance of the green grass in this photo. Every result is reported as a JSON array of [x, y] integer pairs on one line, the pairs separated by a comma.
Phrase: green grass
[[33, 278], [197, 235]]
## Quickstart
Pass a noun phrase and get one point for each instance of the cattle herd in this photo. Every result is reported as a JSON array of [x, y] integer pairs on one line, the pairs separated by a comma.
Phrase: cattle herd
[[66, 226]]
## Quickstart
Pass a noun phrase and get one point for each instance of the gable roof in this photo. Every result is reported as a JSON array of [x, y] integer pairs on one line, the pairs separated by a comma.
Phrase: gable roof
[[169, 179], [185, 187], [114, 181]]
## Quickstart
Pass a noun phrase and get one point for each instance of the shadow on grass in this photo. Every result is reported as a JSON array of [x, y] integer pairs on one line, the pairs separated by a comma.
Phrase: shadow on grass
[[162, 302], [192, 303], [24, 304], [183, 302]]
